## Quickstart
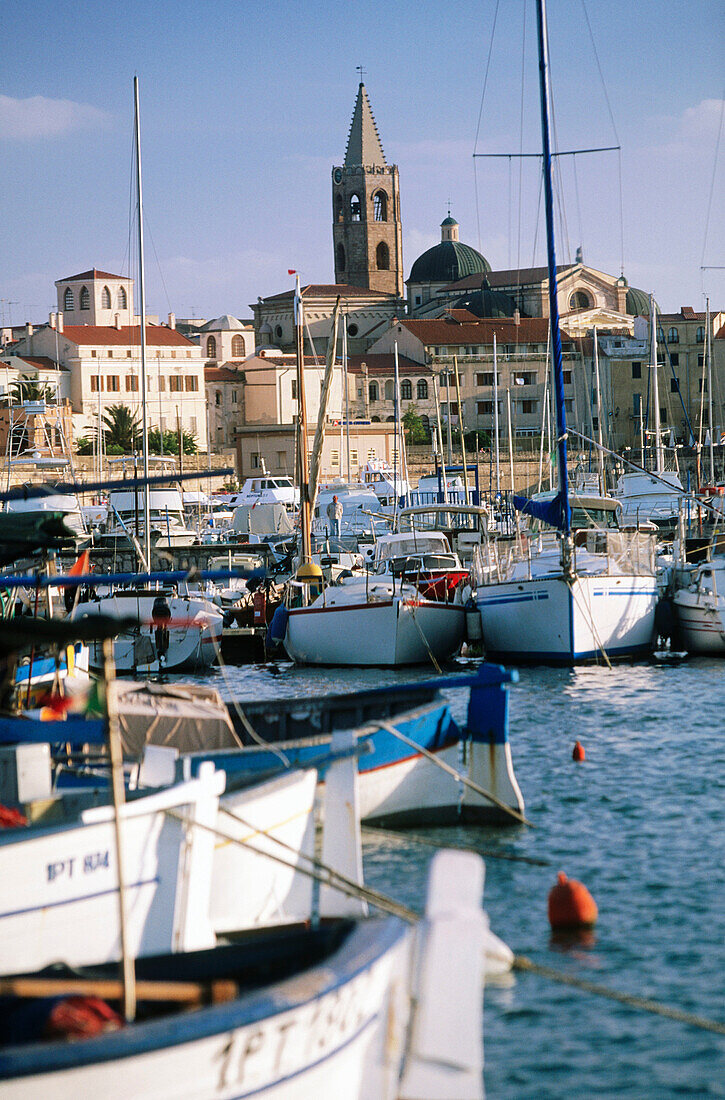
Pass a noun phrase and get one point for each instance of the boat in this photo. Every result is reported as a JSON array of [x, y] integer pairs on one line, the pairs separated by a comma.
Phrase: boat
[[570, 603], [422, 558], [169, 528], [358, 1007], [388, 486], [700, 609]]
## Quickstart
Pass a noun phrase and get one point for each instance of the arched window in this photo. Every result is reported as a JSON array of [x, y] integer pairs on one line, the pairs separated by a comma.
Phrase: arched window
[[340, 258], [425, 421], [210, 347], [373, 391], [380, 206], [375, 419], [382, 257], [389, 419], [105, 298], [122, 301], [406, 390], [355, 213], [389, 390], [68, 303], [673, 336], [700, 335], [339, 215], [422, 389], [238, 347], [580, 300], [85, 298]]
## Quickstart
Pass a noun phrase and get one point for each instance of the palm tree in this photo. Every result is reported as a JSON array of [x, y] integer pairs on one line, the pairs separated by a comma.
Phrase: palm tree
[[27, 388], [121, 428]]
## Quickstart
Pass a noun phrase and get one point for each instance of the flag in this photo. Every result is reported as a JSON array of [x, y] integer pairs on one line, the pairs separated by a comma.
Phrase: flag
[[79, 567], [291, 271]]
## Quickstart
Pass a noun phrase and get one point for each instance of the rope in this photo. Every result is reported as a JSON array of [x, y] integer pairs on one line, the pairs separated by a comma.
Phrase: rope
[[456, 774], [490, 853], [418, 627], [521, 962]]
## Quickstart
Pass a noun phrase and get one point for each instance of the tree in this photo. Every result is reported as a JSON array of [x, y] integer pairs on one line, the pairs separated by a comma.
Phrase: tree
[[121, 429], [414, 427], [171, 443], [30, 389]]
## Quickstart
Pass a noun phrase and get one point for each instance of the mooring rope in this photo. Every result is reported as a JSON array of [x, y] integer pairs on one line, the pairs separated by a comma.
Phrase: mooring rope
[[646, 1004]]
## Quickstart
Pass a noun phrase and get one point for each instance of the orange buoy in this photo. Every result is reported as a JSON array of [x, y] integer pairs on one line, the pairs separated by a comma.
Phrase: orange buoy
[[578, 754], [570, 904]]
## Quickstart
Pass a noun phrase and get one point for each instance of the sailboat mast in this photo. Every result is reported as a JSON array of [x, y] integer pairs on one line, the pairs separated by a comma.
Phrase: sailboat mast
[[659, 455], [553, 301], [708, 355], [495, 417], [142, 309], [600, 449], [302, 419]]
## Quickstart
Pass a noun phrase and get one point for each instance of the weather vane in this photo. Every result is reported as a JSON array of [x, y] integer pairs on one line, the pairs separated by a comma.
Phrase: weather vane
[[362, 72]]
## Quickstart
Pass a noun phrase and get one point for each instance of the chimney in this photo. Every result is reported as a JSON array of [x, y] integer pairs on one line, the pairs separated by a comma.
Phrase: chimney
[[117, 320], [517, 316], [60, 322], [51, 319], [172, 320], [28, 329]]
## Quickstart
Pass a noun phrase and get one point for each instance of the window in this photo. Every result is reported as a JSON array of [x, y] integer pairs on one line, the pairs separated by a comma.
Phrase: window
[[703, 385], [128, 354], [121, 300], [637, 405], [380, 206], [673, 336], [700, 359], [338, 207], [417, 299], [355, 214], [422, 389], [406, 390], [210, 347], [675, 359], [567, 377], [113, 383], [352, 330], [175, 384], [281, 460], [595, 423], [674, 386], [235, 397], [191, 383], [105, 298], [192, 425], [528, 378], [218, 397], [372, 391], [485, 408], [663, 415], [131, 383], [353, 458], [389, 390], [636, 370], [454, 408], [237, 347], [569, 405], [68, 303], [699, 335], [162, 384], [334, 458], [382, 257], [85, 298], [94, 353], [254, 460], [294, 389], [110, 354], [340, 258], [278, 332], [580, 300], [173, 354], [485, 378], [528, 407], [94, 383]]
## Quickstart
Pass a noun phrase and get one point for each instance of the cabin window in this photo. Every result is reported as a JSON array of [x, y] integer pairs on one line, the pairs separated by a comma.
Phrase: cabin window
[[422, 389], [68, 303], [406, 389], [85, 298], [210, 347], [380, 206]]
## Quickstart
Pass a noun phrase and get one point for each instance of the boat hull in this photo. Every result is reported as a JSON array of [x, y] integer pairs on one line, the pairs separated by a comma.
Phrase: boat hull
[[550, 619], [700, 622], [387, 633]]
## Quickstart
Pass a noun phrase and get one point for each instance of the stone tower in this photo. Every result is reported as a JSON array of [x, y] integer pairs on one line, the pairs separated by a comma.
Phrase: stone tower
[[366, 228]]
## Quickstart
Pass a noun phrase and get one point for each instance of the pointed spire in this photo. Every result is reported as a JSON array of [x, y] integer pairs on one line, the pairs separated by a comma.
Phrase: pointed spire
[[363, 143]]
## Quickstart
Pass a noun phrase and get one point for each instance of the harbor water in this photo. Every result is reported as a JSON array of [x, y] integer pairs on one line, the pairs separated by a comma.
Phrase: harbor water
[[641, 822]]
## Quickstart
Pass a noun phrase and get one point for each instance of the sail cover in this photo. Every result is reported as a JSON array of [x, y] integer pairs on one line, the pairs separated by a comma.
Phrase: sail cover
[[548, 511]]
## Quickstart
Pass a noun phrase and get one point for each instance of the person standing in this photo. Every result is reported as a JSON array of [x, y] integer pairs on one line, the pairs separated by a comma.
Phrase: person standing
[[334, 514]]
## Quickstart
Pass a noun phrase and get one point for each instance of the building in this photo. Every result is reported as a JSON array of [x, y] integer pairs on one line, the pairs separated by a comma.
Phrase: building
[[273, 447], [224, 387], [371, 387], [226, 341]]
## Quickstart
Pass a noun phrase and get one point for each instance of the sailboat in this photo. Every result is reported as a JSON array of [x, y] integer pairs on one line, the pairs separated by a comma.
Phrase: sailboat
[[177, 632], [361, 621], [572, 602]]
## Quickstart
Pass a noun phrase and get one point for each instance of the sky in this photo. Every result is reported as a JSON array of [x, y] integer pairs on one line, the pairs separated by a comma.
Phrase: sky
[[245, 108]]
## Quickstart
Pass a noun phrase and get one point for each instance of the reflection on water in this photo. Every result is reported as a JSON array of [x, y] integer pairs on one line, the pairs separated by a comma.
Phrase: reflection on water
[[640, 822]]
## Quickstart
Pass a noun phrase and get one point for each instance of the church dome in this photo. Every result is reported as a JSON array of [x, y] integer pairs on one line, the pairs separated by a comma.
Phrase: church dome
[[637, 303], [448, 262], [486, 302]]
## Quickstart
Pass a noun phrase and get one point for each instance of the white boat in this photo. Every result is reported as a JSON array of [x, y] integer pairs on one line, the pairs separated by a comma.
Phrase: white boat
[[267, 490], [46, 498], [574, 603], [374, 1009], [168, 528], [372, 621], [700, 610], [645, 497], [380, 476], [190, 641]]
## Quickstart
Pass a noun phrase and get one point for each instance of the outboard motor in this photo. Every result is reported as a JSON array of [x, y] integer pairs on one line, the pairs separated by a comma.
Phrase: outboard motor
[[160, 616]]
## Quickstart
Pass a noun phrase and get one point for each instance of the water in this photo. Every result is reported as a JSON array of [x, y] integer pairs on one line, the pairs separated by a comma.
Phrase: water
[[641, 822]]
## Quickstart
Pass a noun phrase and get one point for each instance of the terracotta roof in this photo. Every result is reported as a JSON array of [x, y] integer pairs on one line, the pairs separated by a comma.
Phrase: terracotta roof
[[442, 331], [686, 313], [92, 274], [42, 362], [329, 290], [222, 374], [385, 364], [156, 336]]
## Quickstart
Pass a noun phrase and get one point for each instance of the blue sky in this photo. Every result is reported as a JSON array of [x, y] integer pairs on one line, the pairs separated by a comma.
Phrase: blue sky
[[245, 108]]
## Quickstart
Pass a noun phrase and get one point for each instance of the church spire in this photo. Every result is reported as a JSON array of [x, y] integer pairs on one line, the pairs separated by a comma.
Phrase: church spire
[[363, 143]]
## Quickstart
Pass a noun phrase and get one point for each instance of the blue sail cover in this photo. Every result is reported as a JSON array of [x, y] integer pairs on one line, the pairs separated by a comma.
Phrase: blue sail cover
[[548, 511]]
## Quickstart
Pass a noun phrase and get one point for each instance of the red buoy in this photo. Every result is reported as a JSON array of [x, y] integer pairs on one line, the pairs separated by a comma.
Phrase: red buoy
[[570, 904], [578, 754]]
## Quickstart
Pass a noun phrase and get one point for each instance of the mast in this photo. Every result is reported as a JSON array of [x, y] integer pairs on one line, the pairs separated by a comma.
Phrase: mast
[[600, 449], [566, 546], [659, 455], [397, 426], [460, 430], [495, 416], [142, 307], [302, 421], [708, 356]]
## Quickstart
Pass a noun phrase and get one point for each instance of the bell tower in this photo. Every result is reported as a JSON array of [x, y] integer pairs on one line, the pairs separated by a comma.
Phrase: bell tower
[[366, 226]]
